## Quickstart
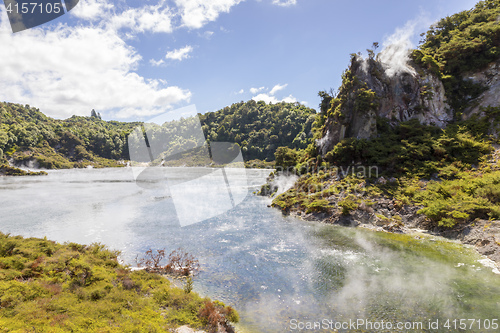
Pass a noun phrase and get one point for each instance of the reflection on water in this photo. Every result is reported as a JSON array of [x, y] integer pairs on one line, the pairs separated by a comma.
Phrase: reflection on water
[[272, 269]]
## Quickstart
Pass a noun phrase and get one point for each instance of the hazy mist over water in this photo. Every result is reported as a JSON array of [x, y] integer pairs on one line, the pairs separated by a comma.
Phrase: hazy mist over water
[[272, 269]]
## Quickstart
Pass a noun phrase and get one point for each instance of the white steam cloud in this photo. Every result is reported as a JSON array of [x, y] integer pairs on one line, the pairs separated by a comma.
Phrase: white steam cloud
[[397, 47]]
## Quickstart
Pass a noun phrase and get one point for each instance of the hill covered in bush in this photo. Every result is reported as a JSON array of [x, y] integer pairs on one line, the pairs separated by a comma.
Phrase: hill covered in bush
[[431, 128], [28, 137]]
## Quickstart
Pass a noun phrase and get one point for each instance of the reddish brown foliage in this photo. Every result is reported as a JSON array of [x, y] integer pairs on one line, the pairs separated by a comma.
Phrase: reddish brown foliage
[[217, 317], [178, 262]]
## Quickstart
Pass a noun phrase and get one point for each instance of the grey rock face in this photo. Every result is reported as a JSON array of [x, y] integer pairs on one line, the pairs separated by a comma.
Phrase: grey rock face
[[401, 96]]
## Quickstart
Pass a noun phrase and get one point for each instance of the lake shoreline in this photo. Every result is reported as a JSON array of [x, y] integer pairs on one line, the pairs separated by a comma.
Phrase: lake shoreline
[[8, 170], [482, 235]]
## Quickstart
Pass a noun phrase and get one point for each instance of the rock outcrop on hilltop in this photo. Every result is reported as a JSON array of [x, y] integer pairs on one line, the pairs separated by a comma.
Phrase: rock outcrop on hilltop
[[453, 75], [412, 92]]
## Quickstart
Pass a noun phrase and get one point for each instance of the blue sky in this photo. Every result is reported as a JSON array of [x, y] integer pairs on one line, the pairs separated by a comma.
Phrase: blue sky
[[132, 60]]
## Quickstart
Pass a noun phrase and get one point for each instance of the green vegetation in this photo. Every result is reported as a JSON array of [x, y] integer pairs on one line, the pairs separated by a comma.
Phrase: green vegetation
[[348, 204], [467, 41], [463, 197], [318, 193], [446, 171], [464, 183], [26, 135], [408, 149], [256, 127], [363, 99], [7, 170], [260, 128], [49, 287], [411, 149], [457, 196]]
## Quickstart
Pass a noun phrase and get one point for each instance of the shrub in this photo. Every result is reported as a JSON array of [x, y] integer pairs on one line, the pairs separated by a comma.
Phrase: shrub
[[286, 158], [348, 204], [61, 288], [178, 262], [216, 314], [471, 195], [318, 205]]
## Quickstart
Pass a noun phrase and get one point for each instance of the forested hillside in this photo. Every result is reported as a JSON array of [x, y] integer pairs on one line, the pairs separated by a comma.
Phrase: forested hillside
[[26, 134], [431, 128], [260, 128], [28, 137]]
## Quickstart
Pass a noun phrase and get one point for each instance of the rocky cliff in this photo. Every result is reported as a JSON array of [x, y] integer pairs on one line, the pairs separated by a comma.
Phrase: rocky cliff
[[372, 88]]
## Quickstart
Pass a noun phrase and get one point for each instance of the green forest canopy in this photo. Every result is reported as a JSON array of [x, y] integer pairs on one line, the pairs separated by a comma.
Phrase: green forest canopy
[[259, 128]]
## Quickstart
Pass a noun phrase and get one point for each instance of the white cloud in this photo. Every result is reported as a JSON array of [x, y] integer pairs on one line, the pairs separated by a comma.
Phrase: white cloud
[[266, 98], [284, 3], [156, 63], [156, 19], [179, 54], [277, 88], [196, 13], [242, 91], [206, 34], [149, 18], [71, 70], [193, 14], [256, 90], [272, 99], [66, 70], [289, 99], [92, 9]]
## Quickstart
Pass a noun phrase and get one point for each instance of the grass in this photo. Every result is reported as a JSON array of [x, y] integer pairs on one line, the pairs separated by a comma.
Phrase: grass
[[51, 287], [473, 194]]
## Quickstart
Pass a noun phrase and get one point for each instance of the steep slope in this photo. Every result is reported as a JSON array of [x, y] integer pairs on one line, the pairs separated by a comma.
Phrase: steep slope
[[369, 90], [454, 75], [490, 78]]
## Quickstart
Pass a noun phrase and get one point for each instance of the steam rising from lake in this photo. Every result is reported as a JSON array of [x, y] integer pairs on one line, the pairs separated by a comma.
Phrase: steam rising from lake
[[271, 268]]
